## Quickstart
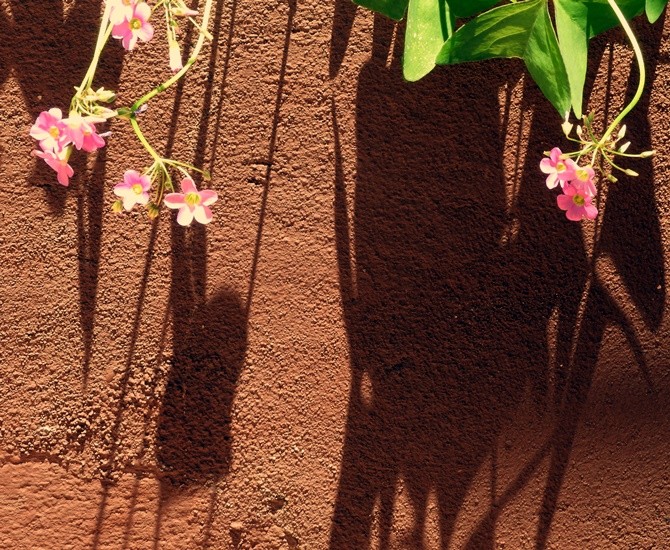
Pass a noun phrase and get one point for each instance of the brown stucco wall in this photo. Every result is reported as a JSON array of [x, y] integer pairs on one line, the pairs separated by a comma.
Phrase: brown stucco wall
[[388, 338]]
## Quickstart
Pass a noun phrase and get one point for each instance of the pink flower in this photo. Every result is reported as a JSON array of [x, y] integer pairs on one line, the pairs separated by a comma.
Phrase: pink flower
[[58, 161], [134, 27], [82, 133], [576, 201], [556, 167], [191, 203], [50, 130], [583, 177], [134, 189], [121, 10]]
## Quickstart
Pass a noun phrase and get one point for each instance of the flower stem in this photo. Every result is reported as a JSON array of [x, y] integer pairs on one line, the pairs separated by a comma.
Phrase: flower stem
[[194, 55], [103, 35], [144, 142], [643, 74]]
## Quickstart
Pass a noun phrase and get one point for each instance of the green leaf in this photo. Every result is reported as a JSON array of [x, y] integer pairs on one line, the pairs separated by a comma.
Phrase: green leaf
[[395, 9], [429, 24], [468, 8], [654, 9], [522, 30], [577, 21]]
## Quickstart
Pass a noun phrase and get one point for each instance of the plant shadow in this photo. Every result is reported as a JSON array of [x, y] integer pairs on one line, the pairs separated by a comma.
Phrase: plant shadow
[[451, 278], [38, 48]]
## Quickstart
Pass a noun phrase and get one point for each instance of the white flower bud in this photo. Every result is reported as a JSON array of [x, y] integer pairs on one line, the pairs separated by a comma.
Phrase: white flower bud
[[622, 132], [567, 128], [175, 57]]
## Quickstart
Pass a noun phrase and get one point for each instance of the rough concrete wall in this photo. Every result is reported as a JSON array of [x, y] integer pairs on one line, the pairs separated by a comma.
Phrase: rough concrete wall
[[389, 337]]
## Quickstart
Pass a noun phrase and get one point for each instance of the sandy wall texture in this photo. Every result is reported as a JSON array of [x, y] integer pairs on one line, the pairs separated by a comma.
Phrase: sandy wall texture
[[389, 337]]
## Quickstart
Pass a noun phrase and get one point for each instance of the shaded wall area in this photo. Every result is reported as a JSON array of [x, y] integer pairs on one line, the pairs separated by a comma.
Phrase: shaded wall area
[[465, 296]]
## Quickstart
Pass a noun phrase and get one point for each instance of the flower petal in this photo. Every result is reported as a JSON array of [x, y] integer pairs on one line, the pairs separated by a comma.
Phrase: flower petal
[[575, 213], [145, 33], [130, 177], [188, 186], [208, 197], [185, 216], [590, 212], [122, 190], [174, 200], [547, 166], [564, 202], [202, 214], [129, 201], [142, 11], [552, 180]]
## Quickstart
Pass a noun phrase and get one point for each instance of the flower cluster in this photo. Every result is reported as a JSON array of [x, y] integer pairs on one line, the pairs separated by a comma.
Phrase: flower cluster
[[57, 135], [191, 203], [575, 181]]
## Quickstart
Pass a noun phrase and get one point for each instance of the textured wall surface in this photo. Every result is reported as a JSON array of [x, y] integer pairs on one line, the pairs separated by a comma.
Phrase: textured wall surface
[[388, 338]]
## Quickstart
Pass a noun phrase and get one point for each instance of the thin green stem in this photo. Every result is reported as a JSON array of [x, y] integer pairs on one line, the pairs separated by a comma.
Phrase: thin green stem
[[103, 35], [611, 162], [144, 142], [640, 62], [194, 55], [627, 155]]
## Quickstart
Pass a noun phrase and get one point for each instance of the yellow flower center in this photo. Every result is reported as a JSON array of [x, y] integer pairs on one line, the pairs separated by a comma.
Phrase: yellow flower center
[[560, 166], [578, 200], [583, 175], [192, 199], [54, 132], [135, 24], [126, 2], [137, 189]]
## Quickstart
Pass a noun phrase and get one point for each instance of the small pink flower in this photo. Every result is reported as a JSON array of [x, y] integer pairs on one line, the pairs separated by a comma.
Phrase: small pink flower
[[556, 167], [576, 202], [135, 27], [58, 161], [134, 189], [81, 131], [191, 203], [50, 130], [582, 176], [121, 10]]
